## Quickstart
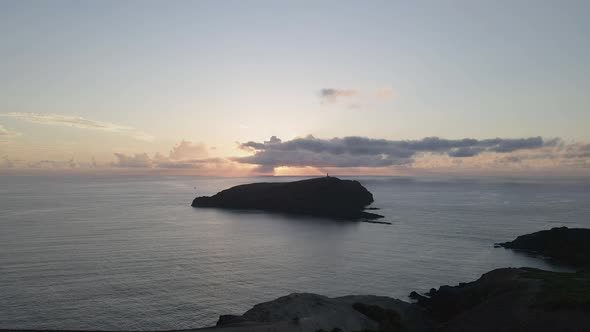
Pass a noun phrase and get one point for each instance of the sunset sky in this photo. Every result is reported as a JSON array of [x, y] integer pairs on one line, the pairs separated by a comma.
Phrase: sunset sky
[[295, 87]]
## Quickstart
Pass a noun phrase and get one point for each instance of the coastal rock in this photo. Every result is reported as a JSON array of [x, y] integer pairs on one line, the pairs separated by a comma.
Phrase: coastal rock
[[507, 299], [325, 197], [564, 245], [311, 312], [511, 299], [230, 319]]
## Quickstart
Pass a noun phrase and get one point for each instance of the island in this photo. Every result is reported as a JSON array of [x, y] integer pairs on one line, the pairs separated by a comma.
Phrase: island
[[569, 246], [324, 197]]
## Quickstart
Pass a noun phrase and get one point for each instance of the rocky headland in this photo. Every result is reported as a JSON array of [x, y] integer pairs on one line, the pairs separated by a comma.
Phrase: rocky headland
[[312, 312], [512, 299], [570, 246], [323, 197], [506, 299]]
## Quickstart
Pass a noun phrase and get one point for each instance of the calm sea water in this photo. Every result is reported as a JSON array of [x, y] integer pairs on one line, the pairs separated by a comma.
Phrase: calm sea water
[[130, 253]]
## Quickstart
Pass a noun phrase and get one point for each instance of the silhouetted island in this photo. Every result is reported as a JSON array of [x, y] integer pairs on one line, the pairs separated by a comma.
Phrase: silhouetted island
[[563, 245], [324, 197]]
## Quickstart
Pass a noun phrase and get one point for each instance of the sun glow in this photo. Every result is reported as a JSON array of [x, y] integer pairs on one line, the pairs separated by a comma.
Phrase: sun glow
[[297, 171]]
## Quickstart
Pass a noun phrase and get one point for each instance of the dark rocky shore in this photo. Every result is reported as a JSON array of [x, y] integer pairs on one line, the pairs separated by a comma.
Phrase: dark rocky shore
[[324, 197], [508, 299], [512, 299], [563, 245]]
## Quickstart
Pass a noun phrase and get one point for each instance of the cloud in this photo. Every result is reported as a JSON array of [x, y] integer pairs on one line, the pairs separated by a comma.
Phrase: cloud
[[192, 164], [143, 160], [578, 150], [79, 122], [355, 151], [331, 95], [7, 163], [138, 160], [267, 161], [464, 152], [384, 94], [185, 154], [54, 164], [346, 155], [273, 140], [7, 133], [188, 150]]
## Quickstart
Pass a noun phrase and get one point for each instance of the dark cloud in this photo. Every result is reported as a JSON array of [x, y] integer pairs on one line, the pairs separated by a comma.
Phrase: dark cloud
[[510, 159], [509, 145], [298, 158], [273, 140], [464, 152], [332, 94], [355, 151], [577, 151]]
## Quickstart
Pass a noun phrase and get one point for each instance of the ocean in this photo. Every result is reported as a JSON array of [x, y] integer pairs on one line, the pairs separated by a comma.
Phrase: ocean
[[129, 252]]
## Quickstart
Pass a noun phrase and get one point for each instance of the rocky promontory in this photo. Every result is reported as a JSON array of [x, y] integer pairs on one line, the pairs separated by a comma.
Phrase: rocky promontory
[[324, 197], [512, 299], [308, 312], [564, 245], [507, 299]]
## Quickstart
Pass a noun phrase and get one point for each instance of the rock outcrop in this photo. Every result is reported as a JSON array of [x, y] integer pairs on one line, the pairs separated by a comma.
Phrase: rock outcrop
[[564, 245], [507, 299], [325, 197], [510, 299], [308, 312]]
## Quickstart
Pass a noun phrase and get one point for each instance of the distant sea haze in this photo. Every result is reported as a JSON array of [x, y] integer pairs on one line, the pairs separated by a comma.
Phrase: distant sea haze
[[110, 253]]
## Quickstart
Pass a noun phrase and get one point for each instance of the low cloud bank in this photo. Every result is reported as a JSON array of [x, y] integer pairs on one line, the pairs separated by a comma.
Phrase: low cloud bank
[[143, 160], [346, 155], [185, 154], [355, 151], [7, 133]]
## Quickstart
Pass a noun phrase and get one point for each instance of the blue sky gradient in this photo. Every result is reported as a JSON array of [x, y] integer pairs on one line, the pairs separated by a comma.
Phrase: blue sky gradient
[[221, 72]]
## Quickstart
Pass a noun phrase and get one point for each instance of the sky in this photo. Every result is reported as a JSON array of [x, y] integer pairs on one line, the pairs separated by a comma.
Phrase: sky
[[234, 88]]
